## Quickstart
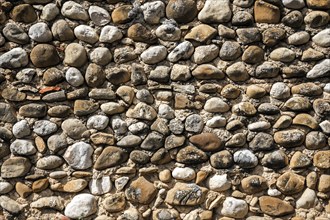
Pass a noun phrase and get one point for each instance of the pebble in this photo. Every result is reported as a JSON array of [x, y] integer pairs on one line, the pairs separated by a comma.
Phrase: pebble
[[62, 31], [122, 15], [154, 54], [110, 157], [44, 55], [99, 15], [289, 138], [52, 202], [110, 34], [294, 4], [282, 54], [114, 202], [121, 182], [86, 33], [44, 127], [40, 32], [141, 191], [81, 206], [322, 38], [10, 205], [153, 11], [98, 122], [74, 128], [254, 184], [205, 54], [253, 55], [298, 38], [280, 90], [5, 187], [290, 183], [100, 186], [21, 129], [219, 183], [100, 56], [175, 195], [293, 19], [181, 12], [23, 13], [265, 12], [74, 77], [186, 173], [78, 156], [194, 123], [316, 19], [248, 35], [230, 50], [275, 160], [307, 200], [49, 162], [49, 12], [245, 158], [182, 51], [168, 32], [15, 33], [274, 206], [321, 159], [272, 36], [207, 141], [75, 55], [210, 14], [235, 208], [75, 11], [319, 70], [262, 141], [22, 147], [191, 155], [15, 58], [201, 33]]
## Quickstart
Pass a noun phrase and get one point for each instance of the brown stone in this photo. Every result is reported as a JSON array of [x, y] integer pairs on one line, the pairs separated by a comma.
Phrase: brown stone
[[290, 183], [274, 206], [299, 160], [84, 107], [221, 160], [94, 75], [322, 159], [40, 185], [255, 92], [201, 176], [182, 11], [44, 55], [191, 155], [253, 55], [207, 71], [24, 13], [207, 141], [289, 138], [114, 202], [253, 184], [201, 33], [102, 138], [266, 13], [110, 157], [121, 14], [141, 191], [318, 4], [138, 32], [23, 190], [186, 194], [306, 120], [15, 167], [307, 89], [324, 183]]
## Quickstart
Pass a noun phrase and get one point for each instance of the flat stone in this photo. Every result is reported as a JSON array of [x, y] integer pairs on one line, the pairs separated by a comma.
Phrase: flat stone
[[298, 38], [201, 33], [207, 141], [282, 54], [289, 138], [207, 71], [274, 206], [44, 127], [15, 33], [294, 4], [290, 183], [81, 206], [322, 38], [141, 191], [84, 107], [244, 108], [78, 156], [306, 120], [186, 194], [266, 13], [23, 190], [267, 70], [15, 167], [215, 12], [110, 157], [52, 202], [300, 104], [324, 183], [191, 155], [319, 70], [248, 35], [102, 138]]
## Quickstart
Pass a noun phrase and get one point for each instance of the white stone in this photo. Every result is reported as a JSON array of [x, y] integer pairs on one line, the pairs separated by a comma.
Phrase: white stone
[[153, 11], [280, 90], [216, 122], [215, 11], [99, 15], [183, 51], [234, 208], [22, 147], [118, 125], [79, 156], [307, 200], [298, 38], [121, 182], [166, 111], [216, 104], [259, 126], [205, 53], [273, 192], [44, 127], [185, 173], [73, 10], [320, 70], [180, 72], [40, 32], [168, 32], [5, 187], [325, 126], [322, 38], [21, 129], [219, 183], [98, 122], [26, 75], [101, 56], [74, 77], [294, 4], [154, 54], [110, 34], [15, 58], [10, 205], [245, 158], [49, 12], [81, 206], [327, 88], [86, 33], [100, 186]]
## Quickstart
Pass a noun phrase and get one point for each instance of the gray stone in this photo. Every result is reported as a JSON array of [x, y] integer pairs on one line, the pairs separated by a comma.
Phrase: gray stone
[[40, 32], [44, 127], [154, 54], [322, 38], [74, 128], [110, 34], [15, 33], [215, 11], [245, 158], [168, 32], [86, 33], [153, 11], [101, 56], [21, 129], [10, 205], [49, 162], [99, 15], [22, 147], [56, 142], [194, 123], [98, 122], [320, 70], [75, 11], [49, 12], [78, 155], [153, 141], [15, 58], [100, 186], [183, 51]]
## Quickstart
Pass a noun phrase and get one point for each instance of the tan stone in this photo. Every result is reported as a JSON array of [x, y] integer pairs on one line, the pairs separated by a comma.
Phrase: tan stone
[[121, 14], [201, 176], [318, 4], [290, 183], [102, 138], [253, 184], [299, 160], [141, 191], [23, 190], [254, 91], [274, 206], [324, 183], [201, 33], [266, 13], [186, 194], [207, 71], [165, 176], [322, 159], [40, 185], [306, 120]]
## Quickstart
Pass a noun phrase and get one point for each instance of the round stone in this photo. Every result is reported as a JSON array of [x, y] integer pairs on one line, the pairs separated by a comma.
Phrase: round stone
[[40, 32], [74, 77], [75, 55], [245, 158], [44, 55], [181, 11]]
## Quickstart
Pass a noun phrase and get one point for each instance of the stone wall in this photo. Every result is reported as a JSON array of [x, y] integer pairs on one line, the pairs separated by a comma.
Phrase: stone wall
[[165, 110]]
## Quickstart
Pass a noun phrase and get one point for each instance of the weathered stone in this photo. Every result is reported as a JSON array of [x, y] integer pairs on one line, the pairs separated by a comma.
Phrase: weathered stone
[[299, 160], [221, 160], [114, 202], [215, 12], [52, 202], [275, 160], [186, 194], [81, 206], [75, 55], [201, 33], [290, 183], [15, 167], [207, 71], [266, 13], [110, 157], [321, 159], [191, 155], [181, 11], [207, 141], [306, 120], [274, 206], [15, 58], [23, 13], [235, 208], [141, 191]]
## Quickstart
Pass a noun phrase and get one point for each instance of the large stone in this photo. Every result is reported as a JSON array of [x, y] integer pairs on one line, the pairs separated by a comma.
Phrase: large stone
[[81, 206], [201, 33], [186, 194], [23, 13], [274, 206], [44, 55], [11, 205], [52, 202], [215, 11], [75, 55], [181, 11], [318, 4], [22, 147], [78, 155], [141, 191], [289, 138], [290, 183], [262, 141], [15, 33], [7, 113], [75, 11], [110, 157], [15, 58], [114, 202], [219, 183], [207, 71], [307, 200], [74, 128], [322, 38], [182, 51], [254, 184], [15, 167], [266, 13], [207, 141]]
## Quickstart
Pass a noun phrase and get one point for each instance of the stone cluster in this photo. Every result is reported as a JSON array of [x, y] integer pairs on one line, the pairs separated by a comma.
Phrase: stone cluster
[[165, 109]]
